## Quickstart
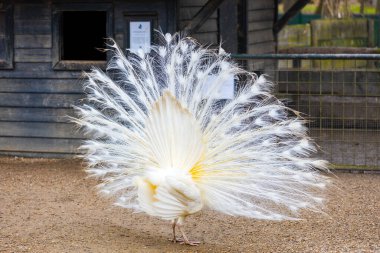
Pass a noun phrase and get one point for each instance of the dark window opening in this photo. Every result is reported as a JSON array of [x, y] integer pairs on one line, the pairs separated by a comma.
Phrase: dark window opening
[[6, 35], [83, 34], [3, 36]]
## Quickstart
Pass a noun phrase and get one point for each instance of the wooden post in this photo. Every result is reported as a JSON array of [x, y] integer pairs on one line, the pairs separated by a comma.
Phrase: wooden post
[[228, 23]]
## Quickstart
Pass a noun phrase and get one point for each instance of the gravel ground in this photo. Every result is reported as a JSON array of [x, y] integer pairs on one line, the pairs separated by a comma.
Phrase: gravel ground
[[49, 206]]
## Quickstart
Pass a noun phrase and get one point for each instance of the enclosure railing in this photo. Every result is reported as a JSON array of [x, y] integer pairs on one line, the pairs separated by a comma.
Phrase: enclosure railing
[[340, 96]]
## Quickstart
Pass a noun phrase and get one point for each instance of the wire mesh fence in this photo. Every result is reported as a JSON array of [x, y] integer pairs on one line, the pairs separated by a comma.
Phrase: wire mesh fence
[[339, 95]]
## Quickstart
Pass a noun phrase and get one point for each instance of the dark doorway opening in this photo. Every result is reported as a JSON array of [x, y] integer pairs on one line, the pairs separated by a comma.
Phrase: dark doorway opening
[[83, 33]]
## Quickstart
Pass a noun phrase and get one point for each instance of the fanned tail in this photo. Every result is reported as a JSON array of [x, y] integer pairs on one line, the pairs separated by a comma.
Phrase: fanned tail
[[258, 162], [174, 135], [248, 156]]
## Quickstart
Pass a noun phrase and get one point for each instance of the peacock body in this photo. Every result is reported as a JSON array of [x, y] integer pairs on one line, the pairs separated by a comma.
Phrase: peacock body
[[163, 144]]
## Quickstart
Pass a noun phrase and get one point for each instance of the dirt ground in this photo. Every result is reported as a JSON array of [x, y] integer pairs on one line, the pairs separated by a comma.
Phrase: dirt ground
[[50, 206]]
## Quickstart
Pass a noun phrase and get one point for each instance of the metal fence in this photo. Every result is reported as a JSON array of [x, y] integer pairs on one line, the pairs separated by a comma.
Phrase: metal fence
[[340, 96]]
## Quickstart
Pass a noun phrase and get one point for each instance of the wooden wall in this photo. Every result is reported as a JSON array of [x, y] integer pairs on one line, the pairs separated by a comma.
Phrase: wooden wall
[[260, 37], [208, 34], [34, 98]]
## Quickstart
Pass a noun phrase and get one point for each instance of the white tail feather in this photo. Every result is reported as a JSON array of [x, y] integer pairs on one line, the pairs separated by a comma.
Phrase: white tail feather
[[152, 123]]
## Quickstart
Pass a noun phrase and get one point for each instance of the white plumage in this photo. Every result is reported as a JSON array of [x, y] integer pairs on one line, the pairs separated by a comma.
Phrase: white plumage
[[162, 144]]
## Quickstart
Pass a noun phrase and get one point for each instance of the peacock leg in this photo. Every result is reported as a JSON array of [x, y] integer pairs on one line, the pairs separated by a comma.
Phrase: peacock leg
[[174, 223], [185, 239], [175, 239]]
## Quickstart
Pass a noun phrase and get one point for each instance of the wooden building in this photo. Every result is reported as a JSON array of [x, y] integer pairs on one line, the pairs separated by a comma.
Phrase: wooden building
[[45, 45]]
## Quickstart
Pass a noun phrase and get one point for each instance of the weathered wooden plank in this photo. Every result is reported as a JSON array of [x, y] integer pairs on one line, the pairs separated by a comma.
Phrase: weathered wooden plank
[[35, 114], [202, 15], [33, 41], [40, 129], [189, 12], [47, 145], [29, 27], [261, 15], [32, 11], [260, 4], [264, 25], [191, 3], [37, 70], [39, 100], [41, 85], [38, 154], [206, 38], [260, 36], [211, 25], [261, 48], [32, 55], [69, 65]]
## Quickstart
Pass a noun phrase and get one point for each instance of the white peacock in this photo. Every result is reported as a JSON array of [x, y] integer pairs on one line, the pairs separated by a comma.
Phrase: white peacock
[[163, 144]]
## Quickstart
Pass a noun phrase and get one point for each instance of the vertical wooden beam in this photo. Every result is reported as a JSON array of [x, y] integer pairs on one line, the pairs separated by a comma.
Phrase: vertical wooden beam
[[6, 8], [172, 15], [202, 15], [242, 29], [228, 26]]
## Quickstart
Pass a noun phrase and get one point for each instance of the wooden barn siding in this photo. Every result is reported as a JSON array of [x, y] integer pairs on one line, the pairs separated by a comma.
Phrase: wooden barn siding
[[122, 8], [34, 99], [208, 34], [260, 38]]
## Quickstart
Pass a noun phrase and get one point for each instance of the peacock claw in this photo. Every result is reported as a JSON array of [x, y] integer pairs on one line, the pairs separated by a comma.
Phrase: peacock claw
[[182, 241], [191, 243], [175, 240]]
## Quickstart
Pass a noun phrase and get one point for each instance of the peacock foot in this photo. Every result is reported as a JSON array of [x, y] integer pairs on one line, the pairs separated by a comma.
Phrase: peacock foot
[[191, 243], [175, 240], [180, 240]]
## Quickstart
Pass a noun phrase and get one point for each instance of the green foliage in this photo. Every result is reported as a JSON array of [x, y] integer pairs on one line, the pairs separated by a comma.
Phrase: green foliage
[[355, 8], [311, 9]]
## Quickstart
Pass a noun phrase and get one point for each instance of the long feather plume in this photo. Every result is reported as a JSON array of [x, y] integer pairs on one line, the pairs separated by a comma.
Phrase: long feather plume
[[248, 156]]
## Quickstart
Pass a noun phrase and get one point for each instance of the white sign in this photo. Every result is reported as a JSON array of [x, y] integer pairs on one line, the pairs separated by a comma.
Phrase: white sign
[[139, 36], [226, 89]]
